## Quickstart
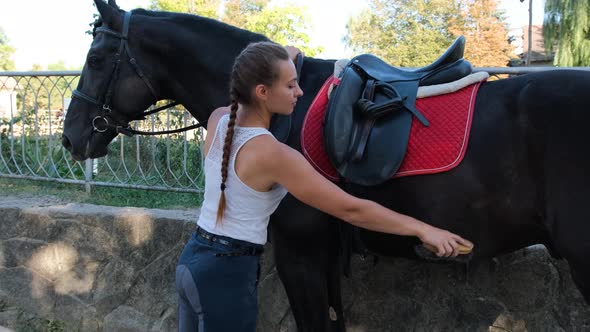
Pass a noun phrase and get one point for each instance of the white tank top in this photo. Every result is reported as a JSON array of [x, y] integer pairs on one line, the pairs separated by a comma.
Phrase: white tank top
[[247, 211]]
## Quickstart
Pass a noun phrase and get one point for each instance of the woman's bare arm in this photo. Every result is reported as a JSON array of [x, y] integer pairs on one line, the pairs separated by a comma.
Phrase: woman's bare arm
[[212, 125], [290, 169]]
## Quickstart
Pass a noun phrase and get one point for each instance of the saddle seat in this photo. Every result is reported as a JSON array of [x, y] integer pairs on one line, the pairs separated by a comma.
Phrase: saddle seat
[[447, 68], [369, 115]]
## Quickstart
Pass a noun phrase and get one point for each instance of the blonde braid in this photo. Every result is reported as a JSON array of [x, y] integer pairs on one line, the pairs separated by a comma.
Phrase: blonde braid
[[229, 136]]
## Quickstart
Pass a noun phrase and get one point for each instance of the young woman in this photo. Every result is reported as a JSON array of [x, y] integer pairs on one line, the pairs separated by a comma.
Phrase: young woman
[[247, 173]]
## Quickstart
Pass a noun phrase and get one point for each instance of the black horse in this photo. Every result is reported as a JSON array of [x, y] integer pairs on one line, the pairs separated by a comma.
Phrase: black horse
[[524, 179]]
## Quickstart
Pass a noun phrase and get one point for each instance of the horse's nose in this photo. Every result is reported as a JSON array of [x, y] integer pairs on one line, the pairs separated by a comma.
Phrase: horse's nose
[[66, 143]]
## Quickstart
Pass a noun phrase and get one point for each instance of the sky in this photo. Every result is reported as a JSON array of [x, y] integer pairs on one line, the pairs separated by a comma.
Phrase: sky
[[45, 32]]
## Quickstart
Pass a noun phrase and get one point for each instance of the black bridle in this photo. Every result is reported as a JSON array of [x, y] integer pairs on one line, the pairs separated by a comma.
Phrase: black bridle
[[104, 104]]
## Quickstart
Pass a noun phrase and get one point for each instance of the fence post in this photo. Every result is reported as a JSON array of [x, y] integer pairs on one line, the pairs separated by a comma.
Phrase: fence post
[[88, 175]]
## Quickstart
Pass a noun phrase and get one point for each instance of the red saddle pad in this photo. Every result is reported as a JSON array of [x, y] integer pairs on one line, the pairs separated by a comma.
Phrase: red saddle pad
[[434, 149]]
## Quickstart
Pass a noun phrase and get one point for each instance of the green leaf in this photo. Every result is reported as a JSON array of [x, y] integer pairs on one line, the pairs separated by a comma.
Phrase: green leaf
[[566, 29]]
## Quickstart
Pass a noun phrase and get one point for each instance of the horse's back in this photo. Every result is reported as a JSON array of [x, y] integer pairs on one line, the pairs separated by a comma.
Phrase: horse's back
[[498, 195]]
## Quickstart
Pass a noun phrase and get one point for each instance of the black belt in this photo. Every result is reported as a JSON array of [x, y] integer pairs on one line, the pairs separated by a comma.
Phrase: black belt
[[241, 249]]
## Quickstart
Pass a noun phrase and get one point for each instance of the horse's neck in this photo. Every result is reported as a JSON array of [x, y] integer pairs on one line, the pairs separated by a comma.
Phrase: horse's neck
[[196, 66]]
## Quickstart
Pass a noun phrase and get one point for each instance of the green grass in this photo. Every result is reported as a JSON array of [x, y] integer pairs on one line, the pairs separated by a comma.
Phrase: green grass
[[100, 195], [29, 322]]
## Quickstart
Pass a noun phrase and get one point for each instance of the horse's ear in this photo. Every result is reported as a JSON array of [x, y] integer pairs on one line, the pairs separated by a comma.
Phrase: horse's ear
[[113, 4], [110, 15]]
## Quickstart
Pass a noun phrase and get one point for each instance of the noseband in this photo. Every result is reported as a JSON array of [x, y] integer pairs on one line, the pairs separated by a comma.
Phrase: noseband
[[101, 122]]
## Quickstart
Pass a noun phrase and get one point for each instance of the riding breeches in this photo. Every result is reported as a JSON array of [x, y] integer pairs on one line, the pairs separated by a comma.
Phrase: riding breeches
[[216, 281]]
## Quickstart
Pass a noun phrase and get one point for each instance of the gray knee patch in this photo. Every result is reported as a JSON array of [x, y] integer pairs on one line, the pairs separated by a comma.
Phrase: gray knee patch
[[188, 292]]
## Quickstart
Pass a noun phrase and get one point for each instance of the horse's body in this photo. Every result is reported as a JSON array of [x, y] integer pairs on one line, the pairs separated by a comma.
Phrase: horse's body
[[523, 180]]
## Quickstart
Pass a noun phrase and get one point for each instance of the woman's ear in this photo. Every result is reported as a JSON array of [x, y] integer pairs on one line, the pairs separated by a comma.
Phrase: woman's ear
[[261, 92]]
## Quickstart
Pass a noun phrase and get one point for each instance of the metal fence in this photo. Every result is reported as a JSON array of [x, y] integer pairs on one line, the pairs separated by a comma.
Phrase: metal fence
[[32, 110]]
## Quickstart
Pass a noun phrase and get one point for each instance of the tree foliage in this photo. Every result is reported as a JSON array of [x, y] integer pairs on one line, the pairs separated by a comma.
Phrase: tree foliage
[[414, 33], [404, 33], [485, 31], [566, 29], [287, 24], [6, 52], [237, 12], [207, 8]]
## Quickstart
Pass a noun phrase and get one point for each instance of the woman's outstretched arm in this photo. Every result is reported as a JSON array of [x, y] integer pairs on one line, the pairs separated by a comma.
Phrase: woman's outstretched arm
[[291, 170]]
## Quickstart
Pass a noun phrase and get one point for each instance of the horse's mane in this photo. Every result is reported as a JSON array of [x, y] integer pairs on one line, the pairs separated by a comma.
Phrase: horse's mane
[[191, 21]]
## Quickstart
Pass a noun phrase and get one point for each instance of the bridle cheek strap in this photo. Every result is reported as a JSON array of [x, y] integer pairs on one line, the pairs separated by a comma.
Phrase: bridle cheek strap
[[101, 122]]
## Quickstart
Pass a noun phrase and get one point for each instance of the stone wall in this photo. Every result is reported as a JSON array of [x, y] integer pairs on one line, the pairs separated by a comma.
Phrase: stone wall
[[77, 267]]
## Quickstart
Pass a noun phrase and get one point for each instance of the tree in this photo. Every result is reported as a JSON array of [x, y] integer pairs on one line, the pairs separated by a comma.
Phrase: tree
[[414, 33], [403, 33], [207, 8], [60, 65], [566, 29], [485, 31], [286, 24], [6, 52], [237, 12]]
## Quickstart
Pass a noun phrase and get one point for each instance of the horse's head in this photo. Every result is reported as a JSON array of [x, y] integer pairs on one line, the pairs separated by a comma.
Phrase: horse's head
[[136, 60], [117, 84]]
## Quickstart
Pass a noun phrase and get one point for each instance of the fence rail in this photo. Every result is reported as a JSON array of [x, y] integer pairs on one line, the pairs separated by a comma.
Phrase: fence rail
[[32, 109]]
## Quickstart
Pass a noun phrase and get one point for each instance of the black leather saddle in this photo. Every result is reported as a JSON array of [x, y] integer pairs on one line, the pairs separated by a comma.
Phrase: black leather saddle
[[369, 115]]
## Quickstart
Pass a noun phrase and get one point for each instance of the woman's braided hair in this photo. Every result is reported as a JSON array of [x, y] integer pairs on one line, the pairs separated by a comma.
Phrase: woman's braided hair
[[256, 64]]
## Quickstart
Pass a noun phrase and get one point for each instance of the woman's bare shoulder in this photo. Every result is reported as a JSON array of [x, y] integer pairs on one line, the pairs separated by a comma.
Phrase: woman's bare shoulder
[[215, 116], [269, 152], [263, 145]]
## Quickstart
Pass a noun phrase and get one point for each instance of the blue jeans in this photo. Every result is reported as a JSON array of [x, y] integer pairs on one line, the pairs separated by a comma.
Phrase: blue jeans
[[216, 281]]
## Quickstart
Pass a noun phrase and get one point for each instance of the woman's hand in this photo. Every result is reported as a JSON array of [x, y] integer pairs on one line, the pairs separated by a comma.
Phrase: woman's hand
[[293, 51], [445, 243]]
